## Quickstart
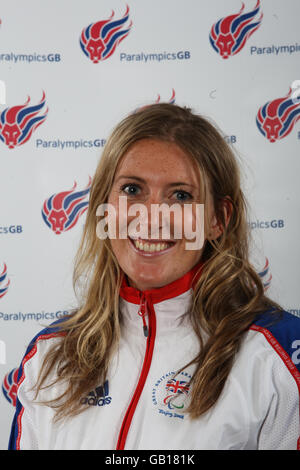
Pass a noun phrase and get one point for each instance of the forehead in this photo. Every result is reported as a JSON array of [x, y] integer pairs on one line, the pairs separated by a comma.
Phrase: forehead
[[156, 159]]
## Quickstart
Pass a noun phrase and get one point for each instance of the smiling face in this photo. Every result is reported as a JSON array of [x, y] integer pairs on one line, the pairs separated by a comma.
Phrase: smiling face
[[155, 172]]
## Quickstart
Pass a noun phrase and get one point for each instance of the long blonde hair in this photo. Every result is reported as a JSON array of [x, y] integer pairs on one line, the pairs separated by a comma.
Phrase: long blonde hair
[[227, 296]]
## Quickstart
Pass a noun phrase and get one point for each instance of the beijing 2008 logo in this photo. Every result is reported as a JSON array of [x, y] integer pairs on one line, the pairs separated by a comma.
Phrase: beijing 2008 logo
[[99, 40], [229, 34], [170, 394]]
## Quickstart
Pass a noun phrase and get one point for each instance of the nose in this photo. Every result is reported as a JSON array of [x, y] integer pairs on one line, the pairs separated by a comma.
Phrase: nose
[[151, 220]]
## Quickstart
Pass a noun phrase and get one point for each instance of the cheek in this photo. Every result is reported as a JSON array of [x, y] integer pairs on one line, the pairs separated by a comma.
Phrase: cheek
[[120, 250], [121, 253], [182, 223], [117, 216], [193, 221], [121, 222]]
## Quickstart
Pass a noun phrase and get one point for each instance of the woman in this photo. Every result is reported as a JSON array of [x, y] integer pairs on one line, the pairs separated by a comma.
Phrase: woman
[[171, 348]]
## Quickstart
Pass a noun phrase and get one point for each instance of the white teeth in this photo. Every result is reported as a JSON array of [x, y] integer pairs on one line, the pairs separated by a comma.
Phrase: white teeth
[[150, 247]]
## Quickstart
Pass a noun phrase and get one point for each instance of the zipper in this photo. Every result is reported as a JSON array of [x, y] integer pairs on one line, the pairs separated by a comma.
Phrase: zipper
[[143, 311], [146, 307]]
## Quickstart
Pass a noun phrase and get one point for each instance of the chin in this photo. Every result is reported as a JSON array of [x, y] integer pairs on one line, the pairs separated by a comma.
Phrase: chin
[[148, 282]]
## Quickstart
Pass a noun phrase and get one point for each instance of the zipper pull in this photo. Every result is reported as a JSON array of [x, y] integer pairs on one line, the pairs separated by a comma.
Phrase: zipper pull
[[143, 311]]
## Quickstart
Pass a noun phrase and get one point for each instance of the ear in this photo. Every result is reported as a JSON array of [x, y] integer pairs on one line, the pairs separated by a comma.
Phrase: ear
[[216, 227]]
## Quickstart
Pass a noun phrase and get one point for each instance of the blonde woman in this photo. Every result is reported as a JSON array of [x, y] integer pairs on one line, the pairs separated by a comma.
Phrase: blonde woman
[[173, 346]]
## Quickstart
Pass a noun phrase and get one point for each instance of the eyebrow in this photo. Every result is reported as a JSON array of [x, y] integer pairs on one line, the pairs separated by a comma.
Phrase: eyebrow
[[141, 180]]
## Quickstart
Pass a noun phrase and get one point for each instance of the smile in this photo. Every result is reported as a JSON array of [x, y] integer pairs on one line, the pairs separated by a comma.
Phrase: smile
[[151, 247]]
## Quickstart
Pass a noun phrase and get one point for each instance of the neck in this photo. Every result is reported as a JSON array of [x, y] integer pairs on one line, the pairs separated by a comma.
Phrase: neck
[[166, 290]]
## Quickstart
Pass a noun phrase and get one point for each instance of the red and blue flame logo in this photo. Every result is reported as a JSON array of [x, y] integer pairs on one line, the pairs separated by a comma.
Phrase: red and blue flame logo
[[10, 386], [265, 275], [229, 35], [17, 123], [171, 100], [61, 211], [276, 119], [4, 282], [99, 40]]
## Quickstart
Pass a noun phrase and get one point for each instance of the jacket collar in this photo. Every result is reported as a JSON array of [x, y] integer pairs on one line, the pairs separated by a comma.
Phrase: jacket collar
[[174, 289], [170, 302]]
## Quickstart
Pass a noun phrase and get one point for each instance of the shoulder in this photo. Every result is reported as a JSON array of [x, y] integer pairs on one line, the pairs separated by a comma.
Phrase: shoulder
[[28, 374], [280, 331], [267, 364], [271, 348], [53, 331], [40, 345], [283, 324], [270, 365], [270, 351]]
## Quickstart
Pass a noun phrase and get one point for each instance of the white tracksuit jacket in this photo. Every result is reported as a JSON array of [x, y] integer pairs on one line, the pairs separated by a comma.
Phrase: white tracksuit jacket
[[142, 405]]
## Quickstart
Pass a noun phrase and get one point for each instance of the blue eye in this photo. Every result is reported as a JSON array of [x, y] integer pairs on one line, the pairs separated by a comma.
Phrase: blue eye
[[183, 195], [130, 189]]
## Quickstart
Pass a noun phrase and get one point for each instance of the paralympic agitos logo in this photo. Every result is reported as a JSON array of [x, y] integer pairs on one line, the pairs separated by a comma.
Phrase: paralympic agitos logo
[[62, 210], [99, 40], [229, 34]]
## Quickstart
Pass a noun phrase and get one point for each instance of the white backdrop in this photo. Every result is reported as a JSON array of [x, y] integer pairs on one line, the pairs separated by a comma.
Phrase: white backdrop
[[159, 50]]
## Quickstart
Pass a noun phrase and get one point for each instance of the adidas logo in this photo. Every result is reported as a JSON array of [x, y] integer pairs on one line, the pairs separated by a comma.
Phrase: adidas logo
[[98, 397]]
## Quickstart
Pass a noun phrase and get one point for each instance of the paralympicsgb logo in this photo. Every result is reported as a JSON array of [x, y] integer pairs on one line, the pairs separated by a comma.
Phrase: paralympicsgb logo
[[171, 100], [62, 210], [17, 123], [276, 118], [265, 275], [99, 40], [4, 282], [229, 35], [9, 386]]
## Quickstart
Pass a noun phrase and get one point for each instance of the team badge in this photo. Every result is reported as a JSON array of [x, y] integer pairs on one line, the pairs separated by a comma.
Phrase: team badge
[[170, 394]]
